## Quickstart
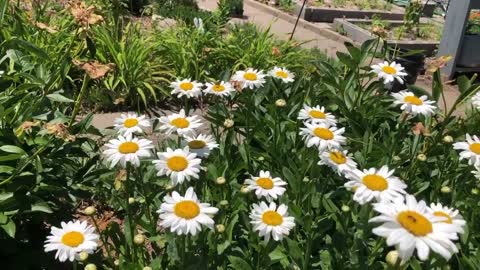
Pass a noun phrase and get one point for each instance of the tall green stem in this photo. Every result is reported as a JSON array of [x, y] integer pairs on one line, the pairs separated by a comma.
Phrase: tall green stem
[[78, 102]]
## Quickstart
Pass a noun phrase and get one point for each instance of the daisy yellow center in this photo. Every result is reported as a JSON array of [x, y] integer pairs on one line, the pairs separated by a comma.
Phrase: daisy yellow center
[[475, 148], [177, 163], [128, 148], [415, 223], [186, 86], [265, 182], [196, 144], [73, 239], [338, 157], [389, 70], [130, 122], [218, 88], [281, 74], [375, 182], [445, 215], [413, 100], [180, 122], [250, 76], [317, 114], [272, 218], [187, 209], [323, 133]]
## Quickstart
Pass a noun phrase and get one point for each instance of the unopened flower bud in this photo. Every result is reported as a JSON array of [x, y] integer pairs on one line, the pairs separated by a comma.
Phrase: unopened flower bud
[[139, 239], [90, 266], [422, 157], [392, 258], [244, 190], [261, 158], [280, 103], [223, 202], [445, 190], [345, 208], [228, 123], [83, 256], [396, 158], [448, 139], [131, 200], [116, 262], [220, 180], [220, 228], [475, 191], [147, 268], [90, 211]]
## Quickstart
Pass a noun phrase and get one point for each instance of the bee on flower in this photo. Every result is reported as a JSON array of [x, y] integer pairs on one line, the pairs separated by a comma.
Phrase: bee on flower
[[127, 149], [389, 72], [409, 226], [180, 123], [371, 184], [73, 238], [266, 186], [186, 214], [316, 114], [201, 145], [179, 164], [470, 149], [323, 136], [412, 104], [271, 221], [187, 88], [476, 100], [338, 160], [450, 215], [282, 74], [131, 123], [223, 89], [250, 78]]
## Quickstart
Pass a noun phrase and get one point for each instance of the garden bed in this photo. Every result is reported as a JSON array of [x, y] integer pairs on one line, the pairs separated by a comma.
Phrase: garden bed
[[357, 30]]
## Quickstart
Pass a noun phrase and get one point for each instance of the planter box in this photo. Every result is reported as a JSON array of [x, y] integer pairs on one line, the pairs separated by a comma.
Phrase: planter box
[[317, 14], [360, 35], [469, 56]]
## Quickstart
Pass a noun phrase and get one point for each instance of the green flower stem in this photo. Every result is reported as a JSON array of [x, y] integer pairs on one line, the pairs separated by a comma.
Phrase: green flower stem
[[78, 102], [128, 227], [103, 237]]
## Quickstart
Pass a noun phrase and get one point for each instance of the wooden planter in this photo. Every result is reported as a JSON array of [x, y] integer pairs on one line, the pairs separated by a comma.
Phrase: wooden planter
[[469, 53], [349, 28]]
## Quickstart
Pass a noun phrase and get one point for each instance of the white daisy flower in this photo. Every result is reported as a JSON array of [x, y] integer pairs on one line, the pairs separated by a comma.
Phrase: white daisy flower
[[271, 221], [380, 185], [180, 123], [450, 215], [71, 239], [476, 100], [250, 78], [266, 186], [186, 214], [186, 87], [322, 135], [316, 114], [338, 160], [219, 89], [389, 72], [127, 149], [131, 123], [470, 149], [283, 74], [409, 226], [413, 104], [179, 164], [201, 144]]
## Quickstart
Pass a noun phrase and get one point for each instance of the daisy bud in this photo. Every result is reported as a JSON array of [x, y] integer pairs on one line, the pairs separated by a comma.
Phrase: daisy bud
[[228, 123], [131, 200], [280, 103], [345, 208], [261, 158], [445, 190], [422, 157], [396, 158], [220, 228], [475, 191], [448, 139], [392, 258], [306, 179], [142, 200], [90, 211], [223, 202], [220, 180], [83, 256], [147, 268], [244, 190], [139, 239], [90, 266], [116, 262], [169, 187]]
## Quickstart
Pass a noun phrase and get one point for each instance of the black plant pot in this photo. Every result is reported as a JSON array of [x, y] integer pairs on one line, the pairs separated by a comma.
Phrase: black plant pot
[[414, 65]]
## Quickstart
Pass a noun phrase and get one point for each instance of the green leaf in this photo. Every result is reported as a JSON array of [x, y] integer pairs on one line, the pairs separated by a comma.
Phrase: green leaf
[[7, 225], [222, 247], [59, 98], [6, 169], [277, 255], [12, 149], [463, 84], [41, 207], [238, 263]]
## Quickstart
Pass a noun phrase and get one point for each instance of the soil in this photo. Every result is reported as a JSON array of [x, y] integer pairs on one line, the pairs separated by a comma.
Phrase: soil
[[354, 4], [426, 32]]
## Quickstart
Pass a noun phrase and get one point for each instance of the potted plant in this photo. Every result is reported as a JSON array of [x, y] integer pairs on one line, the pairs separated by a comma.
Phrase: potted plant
[[469, 56]]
